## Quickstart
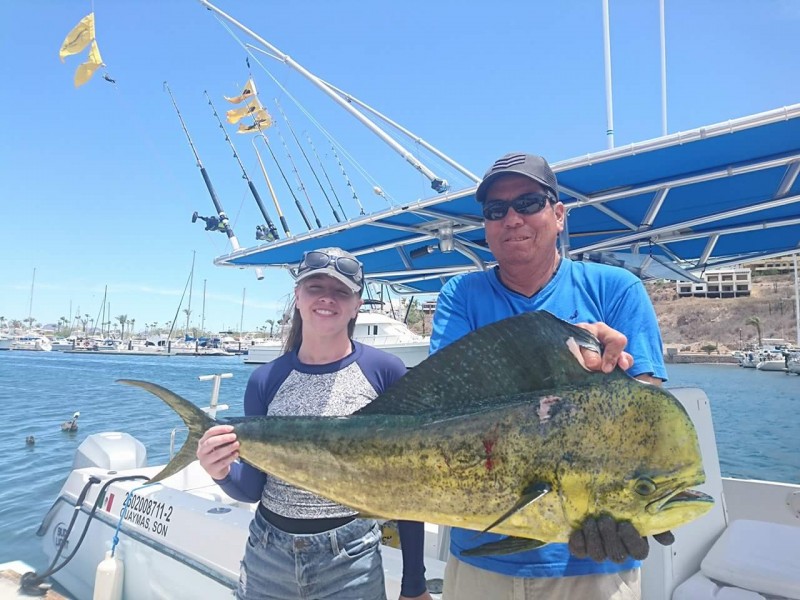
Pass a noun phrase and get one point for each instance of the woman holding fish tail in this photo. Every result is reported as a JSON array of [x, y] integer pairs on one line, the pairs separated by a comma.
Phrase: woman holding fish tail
[[302, 545], [523, 219]]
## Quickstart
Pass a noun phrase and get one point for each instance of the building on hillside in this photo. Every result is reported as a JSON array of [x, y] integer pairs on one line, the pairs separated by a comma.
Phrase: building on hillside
[[772, 266], [719, 283]]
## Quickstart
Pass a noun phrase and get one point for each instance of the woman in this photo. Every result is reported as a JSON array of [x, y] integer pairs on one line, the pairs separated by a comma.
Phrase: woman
[[302, 545]]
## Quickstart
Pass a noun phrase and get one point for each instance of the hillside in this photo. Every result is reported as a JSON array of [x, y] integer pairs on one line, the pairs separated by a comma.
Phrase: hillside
[[696, 322], [691, 323]]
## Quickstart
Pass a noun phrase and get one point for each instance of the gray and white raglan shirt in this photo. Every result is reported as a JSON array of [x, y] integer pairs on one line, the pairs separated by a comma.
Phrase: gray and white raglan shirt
[[287, 386]]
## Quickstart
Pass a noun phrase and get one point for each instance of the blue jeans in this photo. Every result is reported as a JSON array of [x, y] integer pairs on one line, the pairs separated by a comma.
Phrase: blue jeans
[[341, 564]]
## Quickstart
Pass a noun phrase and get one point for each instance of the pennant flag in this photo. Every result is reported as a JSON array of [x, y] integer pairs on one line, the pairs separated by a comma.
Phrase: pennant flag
[[237, 114], [261, 120], [85, 71], [249, 90], [78, 38]]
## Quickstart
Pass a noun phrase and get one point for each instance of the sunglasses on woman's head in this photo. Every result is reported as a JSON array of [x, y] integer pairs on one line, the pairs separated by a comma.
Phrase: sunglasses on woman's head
[[319, 260], [526, 204]]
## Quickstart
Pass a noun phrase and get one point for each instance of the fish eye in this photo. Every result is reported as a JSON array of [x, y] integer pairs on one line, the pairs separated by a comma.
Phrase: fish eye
[[644, 486]]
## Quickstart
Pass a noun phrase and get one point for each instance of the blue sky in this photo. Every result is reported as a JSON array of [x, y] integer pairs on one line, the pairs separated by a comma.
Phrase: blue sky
[[99, 183]]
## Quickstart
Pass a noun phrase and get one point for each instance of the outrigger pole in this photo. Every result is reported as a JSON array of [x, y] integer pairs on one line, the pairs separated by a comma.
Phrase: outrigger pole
[[222, 216], [437, 183], [308, 162], [260, 233]]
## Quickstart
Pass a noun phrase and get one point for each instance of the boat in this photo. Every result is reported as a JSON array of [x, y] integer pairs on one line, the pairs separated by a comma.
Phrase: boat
[[772, 361], [372, 328], [747, 546], [6, 341], [106, 503], [31, 342]]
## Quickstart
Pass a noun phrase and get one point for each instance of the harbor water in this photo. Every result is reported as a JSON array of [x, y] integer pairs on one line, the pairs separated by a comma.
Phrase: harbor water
[[756, 420]]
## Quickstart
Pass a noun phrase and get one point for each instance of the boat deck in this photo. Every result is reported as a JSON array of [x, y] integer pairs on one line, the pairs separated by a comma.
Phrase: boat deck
[[10, 575]]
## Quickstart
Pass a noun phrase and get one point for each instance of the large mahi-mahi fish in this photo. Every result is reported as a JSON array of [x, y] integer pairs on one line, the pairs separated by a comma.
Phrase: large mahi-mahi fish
[[503, 430]]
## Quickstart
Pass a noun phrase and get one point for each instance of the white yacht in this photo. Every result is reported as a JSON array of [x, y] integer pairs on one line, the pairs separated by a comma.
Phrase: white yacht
[[372, 328], [31, 342]]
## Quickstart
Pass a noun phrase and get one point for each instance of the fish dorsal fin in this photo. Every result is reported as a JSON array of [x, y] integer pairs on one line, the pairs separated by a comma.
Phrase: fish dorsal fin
[[531, 352]]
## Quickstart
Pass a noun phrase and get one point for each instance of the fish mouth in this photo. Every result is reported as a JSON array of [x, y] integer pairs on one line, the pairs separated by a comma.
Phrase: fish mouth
[[679, 499]]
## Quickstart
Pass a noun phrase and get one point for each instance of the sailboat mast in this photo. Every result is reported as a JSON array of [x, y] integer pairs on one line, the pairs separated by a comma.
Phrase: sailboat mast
[[191, 285], [241, 319], [203, 316], [30, 301]]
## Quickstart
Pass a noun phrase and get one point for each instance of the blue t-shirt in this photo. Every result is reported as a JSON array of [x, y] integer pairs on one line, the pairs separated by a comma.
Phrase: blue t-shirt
[[579, 293]]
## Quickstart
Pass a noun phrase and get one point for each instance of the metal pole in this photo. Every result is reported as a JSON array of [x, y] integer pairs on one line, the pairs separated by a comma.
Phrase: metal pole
[[607, 60], [437, 183], [796, 304], [663, 69]]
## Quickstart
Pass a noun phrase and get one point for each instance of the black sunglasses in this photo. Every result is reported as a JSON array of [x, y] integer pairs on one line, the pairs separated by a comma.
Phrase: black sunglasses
[[319, 260], [526, 204]]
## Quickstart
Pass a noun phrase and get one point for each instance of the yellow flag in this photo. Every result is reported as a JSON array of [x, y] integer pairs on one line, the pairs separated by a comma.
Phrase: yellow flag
[[249, 90], [85, 71], [78, 38], [237, 114], [261, 120]]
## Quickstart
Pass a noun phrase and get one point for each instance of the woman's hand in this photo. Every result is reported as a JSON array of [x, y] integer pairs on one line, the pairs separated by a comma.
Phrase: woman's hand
[[217, 449], [613, 349]]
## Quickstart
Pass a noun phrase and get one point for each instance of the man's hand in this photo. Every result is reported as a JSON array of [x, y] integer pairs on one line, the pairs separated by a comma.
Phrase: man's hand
[[614, 353], [603, 538]]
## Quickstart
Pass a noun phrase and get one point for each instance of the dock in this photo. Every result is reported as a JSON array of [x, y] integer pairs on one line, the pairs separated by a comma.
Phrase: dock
[[10, 575]]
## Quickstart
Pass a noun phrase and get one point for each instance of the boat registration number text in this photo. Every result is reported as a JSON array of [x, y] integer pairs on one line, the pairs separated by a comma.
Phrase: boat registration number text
[[148, 514]]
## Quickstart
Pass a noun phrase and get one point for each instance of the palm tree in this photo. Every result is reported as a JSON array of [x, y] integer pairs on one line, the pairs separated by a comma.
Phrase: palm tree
[[2, 320], [131, 322], [122, 320], [755, 322], [271, 326]]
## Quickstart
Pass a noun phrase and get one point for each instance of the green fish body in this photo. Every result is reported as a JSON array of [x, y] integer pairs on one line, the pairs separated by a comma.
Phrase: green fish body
[[504, 431]]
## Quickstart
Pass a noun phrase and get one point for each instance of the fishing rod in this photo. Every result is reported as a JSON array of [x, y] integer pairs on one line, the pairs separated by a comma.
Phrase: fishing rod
[[260, 233], [222, 223], [299, 179], [324, 172], [272, 190], [308, 162], [285, 180], [347, 180]]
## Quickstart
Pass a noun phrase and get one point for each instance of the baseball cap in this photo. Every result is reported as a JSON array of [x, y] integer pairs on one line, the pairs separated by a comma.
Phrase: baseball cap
[[333, 262], [531, 166]]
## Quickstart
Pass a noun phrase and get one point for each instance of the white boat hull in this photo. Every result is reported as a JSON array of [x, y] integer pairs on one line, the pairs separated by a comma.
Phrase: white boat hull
[[184, 537]]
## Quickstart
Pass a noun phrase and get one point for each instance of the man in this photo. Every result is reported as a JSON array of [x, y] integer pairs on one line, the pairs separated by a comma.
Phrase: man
[[523, 219]]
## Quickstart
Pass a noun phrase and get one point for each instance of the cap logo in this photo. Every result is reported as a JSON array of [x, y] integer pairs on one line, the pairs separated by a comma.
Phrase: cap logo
[[509, 161]]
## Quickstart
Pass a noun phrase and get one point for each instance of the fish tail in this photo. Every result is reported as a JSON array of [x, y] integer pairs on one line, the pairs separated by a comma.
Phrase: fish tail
[[195, 420]]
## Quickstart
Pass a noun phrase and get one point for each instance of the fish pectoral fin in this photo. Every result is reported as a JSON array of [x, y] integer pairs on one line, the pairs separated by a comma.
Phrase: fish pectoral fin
[[531, 494], [509, 545]]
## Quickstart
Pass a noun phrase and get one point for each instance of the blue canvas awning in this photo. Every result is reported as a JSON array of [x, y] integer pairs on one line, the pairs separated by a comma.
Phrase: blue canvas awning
[[714, 196]]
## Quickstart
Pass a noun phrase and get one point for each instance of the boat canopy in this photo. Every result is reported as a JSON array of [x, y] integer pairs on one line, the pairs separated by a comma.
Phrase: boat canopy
[[669, 207]]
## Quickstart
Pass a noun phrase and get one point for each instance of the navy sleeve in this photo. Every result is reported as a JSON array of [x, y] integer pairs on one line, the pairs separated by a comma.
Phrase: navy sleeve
[[244, 482], [412, 545], [380, 368]]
